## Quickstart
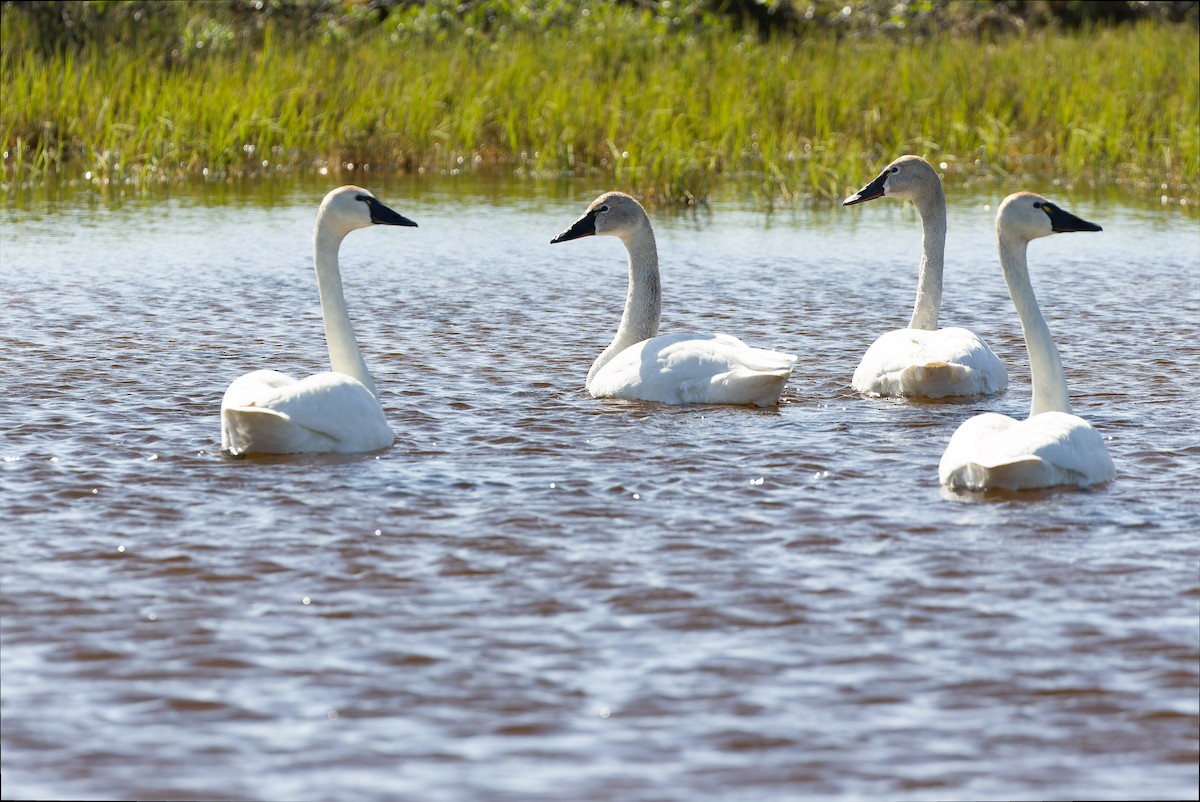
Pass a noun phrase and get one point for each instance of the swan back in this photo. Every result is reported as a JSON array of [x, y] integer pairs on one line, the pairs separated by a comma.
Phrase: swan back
[[694, 369], [993, 451], [267, 412]]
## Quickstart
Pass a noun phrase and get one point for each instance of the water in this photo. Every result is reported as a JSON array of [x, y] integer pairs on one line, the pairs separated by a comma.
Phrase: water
[[535, 595]]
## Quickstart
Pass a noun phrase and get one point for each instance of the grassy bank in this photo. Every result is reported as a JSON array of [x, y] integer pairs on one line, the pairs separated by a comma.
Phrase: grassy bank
[[669, 108]]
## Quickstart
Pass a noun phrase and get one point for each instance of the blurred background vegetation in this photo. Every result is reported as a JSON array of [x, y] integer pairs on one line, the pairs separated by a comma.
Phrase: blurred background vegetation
[[191, 27], [793, 98]]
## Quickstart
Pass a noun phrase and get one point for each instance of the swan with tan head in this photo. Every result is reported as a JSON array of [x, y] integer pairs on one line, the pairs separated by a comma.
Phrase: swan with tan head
[[923, 360], [1051, 447], [640, 364], [268, 412]]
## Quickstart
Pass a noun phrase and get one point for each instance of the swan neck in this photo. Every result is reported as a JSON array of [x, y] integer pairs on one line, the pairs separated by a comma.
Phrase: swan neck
[[932, 208], [344, 356], [643, 303], [1045, 367]]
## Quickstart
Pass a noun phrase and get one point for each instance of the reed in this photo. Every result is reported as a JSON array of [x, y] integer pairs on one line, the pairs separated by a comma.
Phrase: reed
[[669, 110]]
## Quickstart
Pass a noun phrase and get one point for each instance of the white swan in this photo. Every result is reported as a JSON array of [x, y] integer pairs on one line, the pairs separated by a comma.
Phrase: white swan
[[268, 412], [1051, 447], [642, 365], [923, 360]]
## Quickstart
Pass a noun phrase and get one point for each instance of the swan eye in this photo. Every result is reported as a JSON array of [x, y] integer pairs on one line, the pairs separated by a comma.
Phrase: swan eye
[[895, 170], [603, 208]]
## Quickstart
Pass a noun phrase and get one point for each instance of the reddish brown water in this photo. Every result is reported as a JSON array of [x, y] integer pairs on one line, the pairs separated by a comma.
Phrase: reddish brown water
[[535, 595]]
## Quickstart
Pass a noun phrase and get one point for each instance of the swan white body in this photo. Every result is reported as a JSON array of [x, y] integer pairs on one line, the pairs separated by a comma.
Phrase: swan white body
[[268, 412], [642, 365], [923, 360], [1051, 447], [694, 369], [929, 364]]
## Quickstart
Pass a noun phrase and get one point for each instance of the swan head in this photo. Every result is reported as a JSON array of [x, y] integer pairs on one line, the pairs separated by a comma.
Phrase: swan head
[[1027, 216], [908, 177], [346, 208], [613, 213]]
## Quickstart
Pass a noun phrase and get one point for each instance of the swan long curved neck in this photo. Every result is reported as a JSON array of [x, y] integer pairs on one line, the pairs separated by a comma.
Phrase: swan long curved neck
[[344, 356], [1045, 367], [643, 303], [932, 208]]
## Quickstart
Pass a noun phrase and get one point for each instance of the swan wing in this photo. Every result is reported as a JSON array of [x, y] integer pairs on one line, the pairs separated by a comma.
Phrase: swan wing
[[695, 369], [268, 412], [929, 364], [1046, 450], [1072, 446]]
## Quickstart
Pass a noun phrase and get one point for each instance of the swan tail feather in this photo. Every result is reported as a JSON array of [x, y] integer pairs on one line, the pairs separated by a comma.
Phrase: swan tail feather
[[253, 429], [937, 379], [1017, 474], [760, 388], [1027, 473]]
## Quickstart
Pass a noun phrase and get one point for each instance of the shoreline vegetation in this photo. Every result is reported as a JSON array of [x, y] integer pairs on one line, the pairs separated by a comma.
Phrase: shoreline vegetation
[[672, 100]]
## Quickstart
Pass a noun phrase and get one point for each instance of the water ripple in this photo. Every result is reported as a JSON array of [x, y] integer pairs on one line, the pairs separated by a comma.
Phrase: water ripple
[[536, 595]]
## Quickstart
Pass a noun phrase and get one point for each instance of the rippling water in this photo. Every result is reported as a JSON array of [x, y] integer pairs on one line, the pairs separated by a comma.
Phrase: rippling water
[[535, 595]]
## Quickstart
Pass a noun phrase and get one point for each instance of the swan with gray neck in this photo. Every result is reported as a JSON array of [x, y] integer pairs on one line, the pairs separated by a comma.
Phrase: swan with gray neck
[[1051, 447], [639, 363], [923, 360], [268, 412]]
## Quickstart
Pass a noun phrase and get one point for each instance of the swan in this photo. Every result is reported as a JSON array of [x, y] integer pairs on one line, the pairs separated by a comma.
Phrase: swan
[[642, 365], [268, 412], [1051, 447], [923, 360]]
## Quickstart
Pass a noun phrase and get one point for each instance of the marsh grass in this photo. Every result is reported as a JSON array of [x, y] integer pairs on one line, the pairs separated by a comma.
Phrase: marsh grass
[[668, 113]]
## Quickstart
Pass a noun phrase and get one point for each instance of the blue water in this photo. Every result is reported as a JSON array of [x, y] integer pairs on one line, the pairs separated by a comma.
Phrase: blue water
[[535, 595]]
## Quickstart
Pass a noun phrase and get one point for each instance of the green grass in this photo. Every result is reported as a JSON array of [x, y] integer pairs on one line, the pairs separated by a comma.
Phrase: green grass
[[671, 112]]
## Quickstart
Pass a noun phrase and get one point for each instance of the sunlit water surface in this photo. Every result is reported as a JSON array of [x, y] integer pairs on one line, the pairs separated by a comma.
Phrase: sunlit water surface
[[535, 595]]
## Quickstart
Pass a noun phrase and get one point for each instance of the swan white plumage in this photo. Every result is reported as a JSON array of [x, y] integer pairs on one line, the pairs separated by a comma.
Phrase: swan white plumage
[[642, 365], [923, 360], [1051, 447], [268, 412]]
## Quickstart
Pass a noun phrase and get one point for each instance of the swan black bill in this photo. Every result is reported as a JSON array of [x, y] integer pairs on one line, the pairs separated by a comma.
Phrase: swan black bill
[[1062, 221], [871, 191], [584, 227], [383, 216]]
